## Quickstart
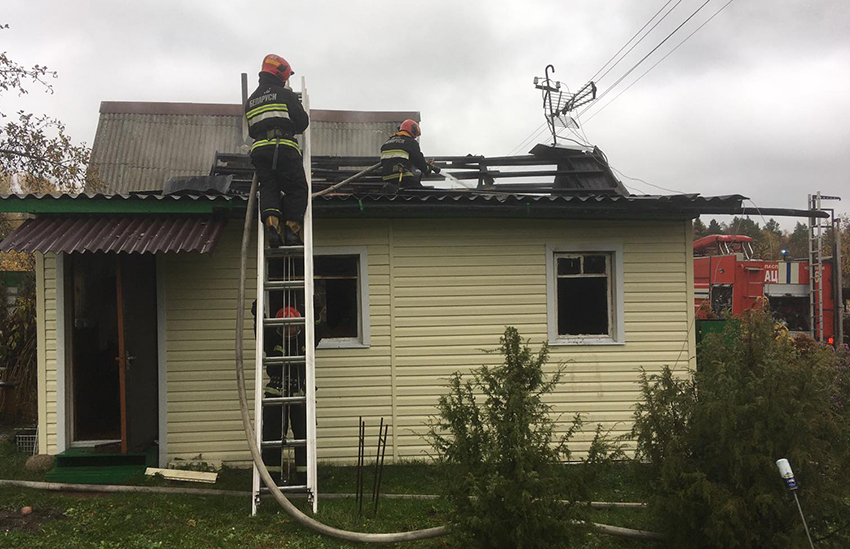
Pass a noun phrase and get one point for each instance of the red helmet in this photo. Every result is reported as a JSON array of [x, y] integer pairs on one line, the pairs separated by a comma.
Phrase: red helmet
[[290, 312], [411, 127], [277, 66]]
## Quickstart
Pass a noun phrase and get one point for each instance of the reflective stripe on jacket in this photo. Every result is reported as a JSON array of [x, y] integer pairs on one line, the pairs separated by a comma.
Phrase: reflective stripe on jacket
[[274, 114], [399, 155], [282, 142]]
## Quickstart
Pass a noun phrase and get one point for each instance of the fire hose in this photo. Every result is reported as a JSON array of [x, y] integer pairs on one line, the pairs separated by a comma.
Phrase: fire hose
[[293, 511]]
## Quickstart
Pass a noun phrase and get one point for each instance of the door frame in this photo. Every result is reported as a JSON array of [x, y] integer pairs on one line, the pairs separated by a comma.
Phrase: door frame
[[64, 374]]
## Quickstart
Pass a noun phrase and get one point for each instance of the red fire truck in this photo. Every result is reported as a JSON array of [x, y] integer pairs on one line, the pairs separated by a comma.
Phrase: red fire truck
[[728, 279]]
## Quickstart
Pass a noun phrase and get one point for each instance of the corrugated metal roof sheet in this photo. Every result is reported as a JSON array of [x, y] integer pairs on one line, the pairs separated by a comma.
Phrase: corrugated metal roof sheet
[[139, 146], [123, 234]]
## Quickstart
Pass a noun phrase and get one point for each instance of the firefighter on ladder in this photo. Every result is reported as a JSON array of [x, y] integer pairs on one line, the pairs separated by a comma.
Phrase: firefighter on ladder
[[400, 154], [275, 116]]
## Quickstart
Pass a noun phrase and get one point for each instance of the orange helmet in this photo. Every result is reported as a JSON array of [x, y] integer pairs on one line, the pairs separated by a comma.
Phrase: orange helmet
[[411, 127], [289, 312], [277, 66]]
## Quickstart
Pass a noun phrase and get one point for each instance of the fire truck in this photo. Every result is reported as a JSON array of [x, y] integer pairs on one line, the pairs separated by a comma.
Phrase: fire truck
[[728, 279]]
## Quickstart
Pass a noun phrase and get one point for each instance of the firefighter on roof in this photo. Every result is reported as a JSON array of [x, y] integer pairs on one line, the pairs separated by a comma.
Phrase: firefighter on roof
[[400, 154], [275, 116]]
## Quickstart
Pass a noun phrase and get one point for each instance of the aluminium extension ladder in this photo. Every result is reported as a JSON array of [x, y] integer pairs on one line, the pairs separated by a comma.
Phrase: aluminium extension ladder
[[285, 283], [816, 229]]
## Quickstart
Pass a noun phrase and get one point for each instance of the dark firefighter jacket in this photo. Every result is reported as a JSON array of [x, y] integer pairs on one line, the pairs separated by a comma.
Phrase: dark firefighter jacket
[[274, 114], [398, 155]]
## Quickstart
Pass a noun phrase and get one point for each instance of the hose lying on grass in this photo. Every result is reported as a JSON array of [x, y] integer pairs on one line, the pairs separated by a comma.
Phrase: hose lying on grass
[[163, 490], [120, 488]]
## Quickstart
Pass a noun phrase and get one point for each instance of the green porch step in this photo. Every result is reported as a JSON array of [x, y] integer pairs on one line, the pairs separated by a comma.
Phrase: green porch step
[[88, 466]]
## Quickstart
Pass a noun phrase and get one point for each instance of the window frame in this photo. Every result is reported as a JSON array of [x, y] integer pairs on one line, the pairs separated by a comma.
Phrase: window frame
[[616, 305], [364, 341]]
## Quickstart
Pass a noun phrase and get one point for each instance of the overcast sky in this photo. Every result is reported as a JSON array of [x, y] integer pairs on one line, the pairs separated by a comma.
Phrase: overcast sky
[[755, 103]]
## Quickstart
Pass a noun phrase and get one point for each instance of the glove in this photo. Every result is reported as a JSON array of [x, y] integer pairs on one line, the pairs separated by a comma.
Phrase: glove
[[435, 169]]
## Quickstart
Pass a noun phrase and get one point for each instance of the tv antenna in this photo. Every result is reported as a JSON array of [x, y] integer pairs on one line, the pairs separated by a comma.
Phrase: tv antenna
[[558, 102]]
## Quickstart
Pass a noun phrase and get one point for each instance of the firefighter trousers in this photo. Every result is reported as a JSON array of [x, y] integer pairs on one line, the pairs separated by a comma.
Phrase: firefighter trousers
[[286, 178]]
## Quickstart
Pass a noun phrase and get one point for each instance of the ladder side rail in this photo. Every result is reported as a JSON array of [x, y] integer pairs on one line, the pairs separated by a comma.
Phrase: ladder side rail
[[258, 358], [810, 238], [310, 325], [820, 271], [837, 283]]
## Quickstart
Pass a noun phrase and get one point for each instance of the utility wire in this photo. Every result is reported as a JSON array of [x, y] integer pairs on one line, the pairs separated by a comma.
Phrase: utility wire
[[645, 57], [659, 61], [593, 78], [646, 182], [530, 137]]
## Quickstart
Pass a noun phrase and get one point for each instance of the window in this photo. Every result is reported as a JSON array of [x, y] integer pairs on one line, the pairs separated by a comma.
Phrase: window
[[584, 294], [341, 297]]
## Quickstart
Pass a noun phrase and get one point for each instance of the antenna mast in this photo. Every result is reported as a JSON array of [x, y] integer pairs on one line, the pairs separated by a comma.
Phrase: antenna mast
[[557, 103]]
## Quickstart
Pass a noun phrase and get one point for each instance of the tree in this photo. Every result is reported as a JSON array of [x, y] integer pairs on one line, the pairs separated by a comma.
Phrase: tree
[[500, 458], [744, 226], [714, 228], [710, 440], [699, 229], [35, 149], [798, 242], [772, 226]]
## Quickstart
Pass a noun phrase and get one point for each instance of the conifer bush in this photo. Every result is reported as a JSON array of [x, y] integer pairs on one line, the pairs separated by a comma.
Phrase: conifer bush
[[501, 459], [710, 440]]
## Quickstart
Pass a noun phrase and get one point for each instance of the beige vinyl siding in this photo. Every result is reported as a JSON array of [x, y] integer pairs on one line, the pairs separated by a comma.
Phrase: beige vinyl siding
[[357, 382], [45, 272], [440, 291], [458, 283], [202, 403]]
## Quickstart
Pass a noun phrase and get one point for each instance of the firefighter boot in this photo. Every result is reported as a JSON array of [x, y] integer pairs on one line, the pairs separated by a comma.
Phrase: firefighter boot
[[273, 232], [291, 234]]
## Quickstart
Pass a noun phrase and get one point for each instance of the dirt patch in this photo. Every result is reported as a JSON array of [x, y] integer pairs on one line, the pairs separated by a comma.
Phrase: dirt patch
[[13, 521]]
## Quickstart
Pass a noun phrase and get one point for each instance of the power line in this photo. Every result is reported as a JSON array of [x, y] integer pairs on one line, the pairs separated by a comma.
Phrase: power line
[[660, 60], [646, 182], [644, 58], [593, 78], [531, 136]]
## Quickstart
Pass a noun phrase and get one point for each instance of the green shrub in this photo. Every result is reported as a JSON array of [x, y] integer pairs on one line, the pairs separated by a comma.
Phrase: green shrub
[[501, 460], [710, 440]]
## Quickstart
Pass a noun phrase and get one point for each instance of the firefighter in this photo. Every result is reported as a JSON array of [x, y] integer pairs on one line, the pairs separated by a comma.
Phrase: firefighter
[[275, 116], [400, 154]]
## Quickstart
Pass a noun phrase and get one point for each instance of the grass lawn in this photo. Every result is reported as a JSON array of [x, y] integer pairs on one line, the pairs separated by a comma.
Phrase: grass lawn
[[153, 521]]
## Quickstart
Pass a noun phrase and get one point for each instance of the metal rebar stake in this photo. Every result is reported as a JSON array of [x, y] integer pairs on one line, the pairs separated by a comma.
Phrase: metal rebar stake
[[377, 453], [379, 473], [361, 455]]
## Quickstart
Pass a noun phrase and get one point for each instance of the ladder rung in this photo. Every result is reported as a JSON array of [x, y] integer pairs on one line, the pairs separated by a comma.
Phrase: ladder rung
[[287, 444], [287, 321], [284, 251], [278, 401], [286, 488], [283, 285], [280, 360]]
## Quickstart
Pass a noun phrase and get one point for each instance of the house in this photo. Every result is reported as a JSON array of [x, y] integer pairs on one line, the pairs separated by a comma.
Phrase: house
[[423, 281]]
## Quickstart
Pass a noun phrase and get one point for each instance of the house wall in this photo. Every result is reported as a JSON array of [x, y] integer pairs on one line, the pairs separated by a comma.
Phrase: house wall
[[439, 293], [45, 277]]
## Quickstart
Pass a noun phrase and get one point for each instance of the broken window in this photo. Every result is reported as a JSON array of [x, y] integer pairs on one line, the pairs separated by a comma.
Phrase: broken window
[[584, 294], [338, 300]]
